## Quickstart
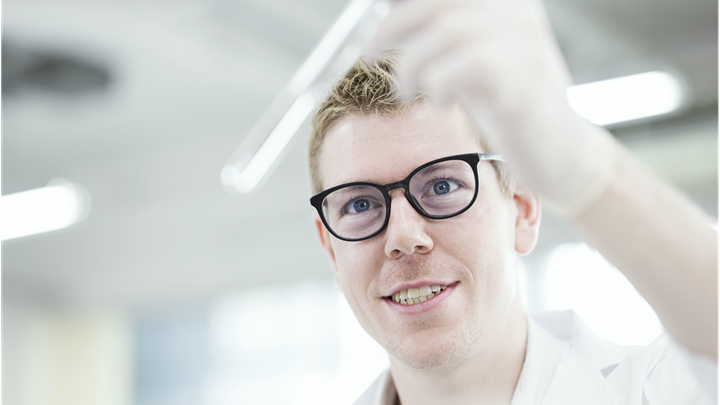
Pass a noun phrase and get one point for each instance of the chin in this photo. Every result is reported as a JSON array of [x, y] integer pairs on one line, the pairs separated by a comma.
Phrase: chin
[[435, 353]]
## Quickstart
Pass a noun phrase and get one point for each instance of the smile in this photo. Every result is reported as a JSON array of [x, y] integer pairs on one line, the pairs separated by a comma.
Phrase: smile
[[417, 295]]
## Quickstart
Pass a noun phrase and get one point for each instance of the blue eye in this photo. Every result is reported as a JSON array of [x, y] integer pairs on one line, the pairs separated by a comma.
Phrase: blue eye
[[441, 187], [361, 205]]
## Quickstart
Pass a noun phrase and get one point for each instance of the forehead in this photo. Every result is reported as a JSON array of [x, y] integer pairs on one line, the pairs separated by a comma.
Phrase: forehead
[[384, 149]]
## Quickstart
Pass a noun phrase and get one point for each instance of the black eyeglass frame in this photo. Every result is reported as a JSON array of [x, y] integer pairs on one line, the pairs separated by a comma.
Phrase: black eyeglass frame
[[470, 158]]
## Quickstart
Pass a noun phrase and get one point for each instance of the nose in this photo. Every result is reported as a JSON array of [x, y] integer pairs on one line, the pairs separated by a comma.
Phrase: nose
[[405, 233]]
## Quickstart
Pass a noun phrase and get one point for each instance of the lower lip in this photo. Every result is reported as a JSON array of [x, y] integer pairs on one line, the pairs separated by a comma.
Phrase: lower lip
[[424, 306]]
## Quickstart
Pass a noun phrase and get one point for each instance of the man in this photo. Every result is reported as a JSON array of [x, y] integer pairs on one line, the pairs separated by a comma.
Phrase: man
[[423, 224]]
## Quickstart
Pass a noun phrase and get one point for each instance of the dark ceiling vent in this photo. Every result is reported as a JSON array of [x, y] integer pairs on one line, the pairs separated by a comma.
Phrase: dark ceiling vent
[[52, 72]]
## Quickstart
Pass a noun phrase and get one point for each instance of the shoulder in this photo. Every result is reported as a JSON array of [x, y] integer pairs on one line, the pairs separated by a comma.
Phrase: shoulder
[[662, 372]]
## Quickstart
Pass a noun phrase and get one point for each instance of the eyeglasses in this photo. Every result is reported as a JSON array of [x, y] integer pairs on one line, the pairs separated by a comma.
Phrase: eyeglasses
[[439, 189]]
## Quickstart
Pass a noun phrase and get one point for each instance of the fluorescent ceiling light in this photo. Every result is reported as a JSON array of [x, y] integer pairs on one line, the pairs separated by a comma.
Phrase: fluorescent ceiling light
[[56, 206], [626, 98]]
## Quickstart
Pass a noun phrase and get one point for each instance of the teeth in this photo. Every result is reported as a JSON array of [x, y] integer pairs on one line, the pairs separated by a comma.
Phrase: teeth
[[417, 295]]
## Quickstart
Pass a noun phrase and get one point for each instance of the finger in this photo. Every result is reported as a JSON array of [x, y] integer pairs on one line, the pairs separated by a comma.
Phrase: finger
[[447, 75], [404, 19], [453, 29], [468, 70], [425, 46]]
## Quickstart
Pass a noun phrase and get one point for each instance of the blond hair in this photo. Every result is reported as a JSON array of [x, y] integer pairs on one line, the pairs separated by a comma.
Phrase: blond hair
[[369, 88]]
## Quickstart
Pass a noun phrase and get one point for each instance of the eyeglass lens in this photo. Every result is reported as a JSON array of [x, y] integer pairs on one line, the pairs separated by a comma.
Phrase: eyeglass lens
[[442, 189]]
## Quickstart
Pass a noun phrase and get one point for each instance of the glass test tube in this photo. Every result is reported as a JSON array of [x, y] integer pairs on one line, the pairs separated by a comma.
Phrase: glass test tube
[[264, 146]]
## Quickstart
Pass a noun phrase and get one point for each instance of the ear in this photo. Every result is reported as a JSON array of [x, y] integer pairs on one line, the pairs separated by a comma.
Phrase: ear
[[324, 236], [527, 224]]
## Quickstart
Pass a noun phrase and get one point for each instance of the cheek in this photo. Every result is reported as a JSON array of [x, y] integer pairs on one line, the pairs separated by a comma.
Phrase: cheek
[[483, 232], [354, 261], [357, 268], [485, 240]]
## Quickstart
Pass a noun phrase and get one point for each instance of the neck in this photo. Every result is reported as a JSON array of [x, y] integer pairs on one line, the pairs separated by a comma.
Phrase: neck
[[489, 375]]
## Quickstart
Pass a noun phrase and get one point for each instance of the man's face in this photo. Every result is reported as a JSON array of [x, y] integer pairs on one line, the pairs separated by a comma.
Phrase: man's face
[[472, 254]]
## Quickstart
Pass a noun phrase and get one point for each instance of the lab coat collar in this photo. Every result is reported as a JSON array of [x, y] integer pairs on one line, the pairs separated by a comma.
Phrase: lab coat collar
[[565, 362]]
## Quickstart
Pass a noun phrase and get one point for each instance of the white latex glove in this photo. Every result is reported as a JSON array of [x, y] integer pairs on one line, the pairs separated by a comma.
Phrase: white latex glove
[[500, 61]]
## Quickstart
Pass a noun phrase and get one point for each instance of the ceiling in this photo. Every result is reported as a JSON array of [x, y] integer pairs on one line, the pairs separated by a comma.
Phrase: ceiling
[[142, 102]]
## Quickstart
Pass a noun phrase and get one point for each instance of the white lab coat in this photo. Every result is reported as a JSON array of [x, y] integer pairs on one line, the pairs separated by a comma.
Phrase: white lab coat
[[567, 363]]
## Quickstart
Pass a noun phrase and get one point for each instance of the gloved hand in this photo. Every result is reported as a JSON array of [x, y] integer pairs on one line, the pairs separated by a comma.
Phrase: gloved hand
[[500, 61]]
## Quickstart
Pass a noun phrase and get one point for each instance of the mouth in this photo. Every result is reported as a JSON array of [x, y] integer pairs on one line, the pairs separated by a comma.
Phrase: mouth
[[413, 296]]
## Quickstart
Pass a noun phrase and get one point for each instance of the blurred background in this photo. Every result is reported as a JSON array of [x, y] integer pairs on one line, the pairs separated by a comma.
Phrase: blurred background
[[171, 291]]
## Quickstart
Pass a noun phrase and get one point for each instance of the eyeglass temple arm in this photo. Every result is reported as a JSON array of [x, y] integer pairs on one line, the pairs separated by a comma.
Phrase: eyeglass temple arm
[[491, 156]]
